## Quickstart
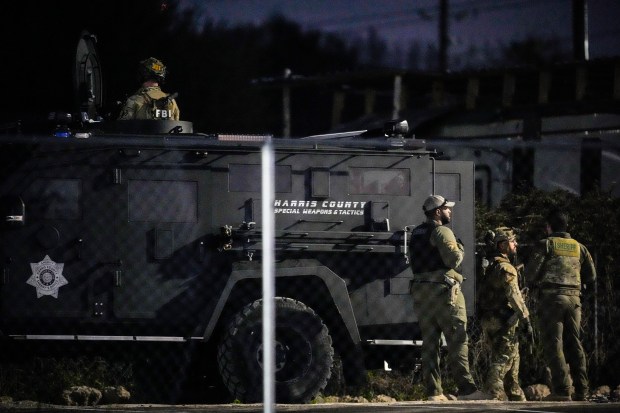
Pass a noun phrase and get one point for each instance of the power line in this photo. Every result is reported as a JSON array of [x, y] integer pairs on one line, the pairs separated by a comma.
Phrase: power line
[[428, 13]]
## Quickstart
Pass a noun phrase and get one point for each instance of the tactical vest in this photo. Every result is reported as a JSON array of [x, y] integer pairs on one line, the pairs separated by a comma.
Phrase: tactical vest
[[563, 263], [424, 256], [159, 104], [491, 288]]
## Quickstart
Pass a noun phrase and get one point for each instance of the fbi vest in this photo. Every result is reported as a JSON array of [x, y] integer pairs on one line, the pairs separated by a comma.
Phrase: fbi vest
[[158, 105], [150, 103]]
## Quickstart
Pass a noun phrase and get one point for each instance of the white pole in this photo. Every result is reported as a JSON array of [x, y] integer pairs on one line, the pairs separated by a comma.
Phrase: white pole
[[268, 228], [398, 87], [286, 105]]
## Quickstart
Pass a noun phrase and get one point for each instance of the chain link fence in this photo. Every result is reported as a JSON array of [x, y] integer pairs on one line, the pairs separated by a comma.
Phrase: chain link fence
[[160, 252]]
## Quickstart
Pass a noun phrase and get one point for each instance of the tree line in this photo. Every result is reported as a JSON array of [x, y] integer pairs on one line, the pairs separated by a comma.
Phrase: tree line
[[211, 65]]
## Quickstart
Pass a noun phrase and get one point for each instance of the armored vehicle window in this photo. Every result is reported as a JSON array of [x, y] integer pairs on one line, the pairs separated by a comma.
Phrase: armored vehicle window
[[320, 183], [50, 198], [163, 201], [449, 185], [373, 181], [246, 178]]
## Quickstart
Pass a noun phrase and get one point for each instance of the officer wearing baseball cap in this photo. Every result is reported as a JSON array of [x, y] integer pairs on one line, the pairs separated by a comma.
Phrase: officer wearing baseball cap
[[436, 256]]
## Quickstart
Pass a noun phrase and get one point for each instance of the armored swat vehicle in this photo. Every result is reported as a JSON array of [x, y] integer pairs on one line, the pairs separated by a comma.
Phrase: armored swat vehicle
[[115, 236]]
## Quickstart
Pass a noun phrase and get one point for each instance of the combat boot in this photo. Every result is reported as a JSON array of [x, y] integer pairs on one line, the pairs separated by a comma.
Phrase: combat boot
[[516, 395], [477, 395], [581, 394], [517, 398], [554, 397]]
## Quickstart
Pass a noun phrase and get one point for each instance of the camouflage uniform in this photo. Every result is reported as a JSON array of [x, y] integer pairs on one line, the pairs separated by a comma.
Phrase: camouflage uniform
[[141, 105], [440, 307], [557, 269], [500, 301]]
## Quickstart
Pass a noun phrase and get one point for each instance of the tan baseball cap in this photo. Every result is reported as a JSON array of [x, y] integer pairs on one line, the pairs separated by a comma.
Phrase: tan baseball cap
[[436, 201]]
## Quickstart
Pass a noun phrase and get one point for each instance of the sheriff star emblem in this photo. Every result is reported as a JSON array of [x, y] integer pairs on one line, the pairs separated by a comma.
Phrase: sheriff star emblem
[[47, 277]]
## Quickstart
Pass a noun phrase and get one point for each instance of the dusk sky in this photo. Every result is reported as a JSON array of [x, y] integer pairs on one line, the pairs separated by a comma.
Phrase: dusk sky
[[472, 23]]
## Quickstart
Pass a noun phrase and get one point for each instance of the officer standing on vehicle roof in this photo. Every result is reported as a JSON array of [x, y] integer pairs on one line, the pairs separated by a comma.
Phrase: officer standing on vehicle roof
[[438, 301], [150, 102], [557, 269], [501, 307]]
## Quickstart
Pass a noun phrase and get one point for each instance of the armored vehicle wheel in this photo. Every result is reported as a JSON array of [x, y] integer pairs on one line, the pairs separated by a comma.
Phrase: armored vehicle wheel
[[303, 355]]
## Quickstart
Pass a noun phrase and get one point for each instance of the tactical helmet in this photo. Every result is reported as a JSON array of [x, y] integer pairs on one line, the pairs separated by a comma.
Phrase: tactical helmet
[[504, 234], [489, 238], [152, 68]]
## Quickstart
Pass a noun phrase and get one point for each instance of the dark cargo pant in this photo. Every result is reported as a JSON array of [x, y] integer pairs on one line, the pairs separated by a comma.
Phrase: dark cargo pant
[[436, 314], [560, 330]]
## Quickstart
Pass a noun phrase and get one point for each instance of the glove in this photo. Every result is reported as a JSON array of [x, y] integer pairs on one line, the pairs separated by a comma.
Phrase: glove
[[529, 330]]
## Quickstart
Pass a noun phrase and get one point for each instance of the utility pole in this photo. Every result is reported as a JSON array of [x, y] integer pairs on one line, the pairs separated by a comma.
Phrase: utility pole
[[286, 104], [580, 30], [443, 35]]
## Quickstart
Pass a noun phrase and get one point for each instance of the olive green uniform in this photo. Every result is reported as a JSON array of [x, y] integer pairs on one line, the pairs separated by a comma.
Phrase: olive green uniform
[[557, 269], [500, 301], [440, 307], [141, 105]]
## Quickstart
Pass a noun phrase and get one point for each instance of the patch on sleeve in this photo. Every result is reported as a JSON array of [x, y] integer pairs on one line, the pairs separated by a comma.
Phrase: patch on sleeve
[[565, 247], [509, 269]]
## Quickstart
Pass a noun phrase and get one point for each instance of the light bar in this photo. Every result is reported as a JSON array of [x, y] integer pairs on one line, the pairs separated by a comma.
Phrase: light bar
[[68, 337], [242, 138]]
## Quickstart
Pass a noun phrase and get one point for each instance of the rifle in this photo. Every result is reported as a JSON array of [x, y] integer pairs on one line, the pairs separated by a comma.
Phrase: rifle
[[529, 331]]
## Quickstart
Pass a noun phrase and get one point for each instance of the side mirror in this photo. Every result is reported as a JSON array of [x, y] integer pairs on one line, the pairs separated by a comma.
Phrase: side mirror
[[13, 211]]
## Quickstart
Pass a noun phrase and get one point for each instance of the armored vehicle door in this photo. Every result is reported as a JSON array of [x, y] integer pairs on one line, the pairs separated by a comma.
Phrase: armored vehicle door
[[161, 256], [54, 246], [455, 181]]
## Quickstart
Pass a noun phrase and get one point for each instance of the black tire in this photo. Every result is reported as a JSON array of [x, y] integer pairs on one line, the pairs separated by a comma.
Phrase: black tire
[[304, 353]]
